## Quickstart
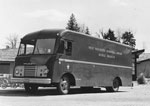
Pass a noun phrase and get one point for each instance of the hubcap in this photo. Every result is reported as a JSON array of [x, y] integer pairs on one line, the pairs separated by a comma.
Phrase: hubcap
[[64, 85], [116, 85]]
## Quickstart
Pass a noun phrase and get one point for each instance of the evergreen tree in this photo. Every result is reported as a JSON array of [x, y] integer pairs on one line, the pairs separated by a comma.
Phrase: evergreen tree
[[128, 38], [110, 35], [72, 24], [87, 31]]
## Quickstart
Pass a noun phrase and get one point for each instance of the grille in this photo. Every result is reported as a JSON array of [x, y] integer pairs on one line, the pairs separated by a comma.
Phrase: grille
[[29, 71]]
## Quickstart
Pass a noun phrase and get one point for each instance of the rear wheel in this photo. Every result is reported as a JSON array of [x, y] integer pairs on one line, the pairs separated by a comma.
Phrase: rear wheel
[[30, 88], [115, 86], [64, 85]]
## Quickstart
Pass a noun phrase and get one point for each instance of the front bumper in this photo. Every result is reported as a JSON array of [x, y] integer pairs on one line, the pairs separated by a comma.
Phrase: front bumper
[[32, 80]]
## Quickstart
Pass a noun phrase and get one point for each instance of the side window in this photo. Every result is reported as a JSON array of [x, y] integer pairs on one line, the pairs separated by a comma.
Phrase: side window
[[68, 48], [61, 47], [21, 49]]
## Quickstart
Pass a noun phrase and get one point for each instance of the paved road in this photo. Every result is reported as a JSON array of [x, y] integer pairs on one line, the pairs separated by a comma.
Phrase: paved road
[[139, 95]]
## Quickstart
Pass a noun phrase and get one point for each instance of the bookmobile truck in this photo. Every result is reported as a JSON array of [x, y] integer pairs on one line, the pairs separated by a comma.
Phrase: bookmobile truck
[[63, 58]]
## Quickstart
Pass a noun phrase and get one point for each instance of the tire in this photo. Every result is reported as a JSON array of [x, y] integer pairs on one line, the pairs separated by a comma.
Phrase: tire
[[115, 87], [63, 86], [31, 88]]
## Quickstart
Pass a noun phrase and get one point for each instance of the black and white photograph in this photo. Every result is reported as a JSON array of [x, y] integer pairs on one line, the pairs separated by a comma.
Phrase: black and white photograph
[[74, 53]]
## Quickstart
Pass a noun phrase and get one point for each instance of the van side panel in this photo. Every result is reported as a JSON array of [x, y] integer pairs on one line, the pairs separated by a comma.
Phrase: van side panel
[[96, 62], [96, 75]]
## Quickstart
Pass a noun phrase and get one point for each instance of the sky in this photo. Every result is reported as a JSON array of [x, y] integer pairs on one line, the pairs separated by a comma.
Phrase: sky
[[24, 16]]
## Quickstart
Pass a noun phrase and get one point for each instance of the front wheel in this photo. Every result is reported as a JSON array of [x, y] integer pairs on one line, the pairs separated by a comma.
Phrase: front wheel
[[64, 85], [115, 86]]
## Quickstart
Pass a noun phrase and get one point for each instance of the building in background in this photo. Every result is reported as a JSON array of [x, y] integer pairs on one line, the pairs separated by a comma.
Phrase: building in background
[[136, 54], [7, 60], [143, 65]]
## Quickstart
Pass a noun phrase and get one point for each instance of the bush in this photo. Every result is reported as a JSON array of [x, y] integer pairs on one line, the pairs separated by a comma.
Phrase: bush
[[141, 79]]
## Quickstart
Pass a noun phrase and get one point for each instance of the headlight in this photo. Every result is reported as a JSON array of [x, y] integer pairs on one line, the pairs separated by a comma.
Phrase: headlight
[[19, 71], [42, 71], [16, 71], [45, 71]]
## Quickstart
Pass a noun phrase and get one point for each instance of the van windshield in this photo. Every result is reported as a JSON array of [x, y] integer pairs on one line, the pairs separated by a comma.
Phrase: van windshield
[[44, 46], [40, 46]]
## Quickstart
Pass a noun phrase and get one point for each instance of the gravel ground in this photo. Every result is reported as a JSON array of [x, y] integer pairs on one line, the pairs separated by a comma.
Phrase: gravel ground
[[139, 95]]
